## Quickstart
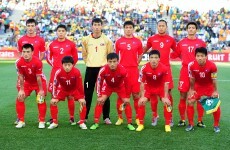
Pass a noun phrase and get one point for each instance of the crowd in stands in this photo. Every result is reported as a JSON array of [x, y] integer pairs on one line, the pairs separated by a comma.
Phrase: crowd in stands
[[214, 26], [77, 15]]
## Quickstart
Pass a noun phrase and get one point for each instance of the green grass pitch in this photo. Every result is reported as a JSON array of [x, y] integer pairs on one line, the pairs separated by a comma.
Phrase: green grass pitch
[[106, 136]]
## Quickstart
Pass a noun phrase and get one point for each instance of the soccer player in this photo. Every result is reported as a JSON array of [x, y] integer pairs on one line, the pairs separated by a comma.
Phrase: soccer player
[[56, 51], [154, 76], [112, 78], [31, 78], [95, 48], [165, 44], [186, 51], [203, 74], [129, 49], [31, 38], [67, 84]]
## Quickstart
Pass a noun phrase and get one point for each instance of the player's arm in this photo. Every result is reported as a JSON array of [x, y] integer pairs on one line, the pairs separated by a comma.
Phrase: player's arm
[[49, 55], [214, 77], [140, 52], [75, 53], [192, 81], [100, 80], [19, 45], [39, 78], [176, 52], [55, 84], [84, 49], [165, 99], [43, 49], [21, 93], [142, 82]]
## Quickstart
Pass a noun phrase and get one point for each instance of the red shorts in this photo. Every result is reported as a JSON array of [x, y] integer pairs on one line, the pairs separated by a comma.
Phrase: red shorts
[[61, 94], [29, 88], [171, 84], [202, 91], [52, 74], [121, 92], [134, 85], [156, 92], [184, 82]]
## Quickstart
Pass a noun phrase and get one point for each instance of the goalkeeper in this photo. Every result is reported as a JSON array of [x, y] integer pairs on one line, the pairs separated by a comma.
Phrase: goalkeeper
[[203, 74]]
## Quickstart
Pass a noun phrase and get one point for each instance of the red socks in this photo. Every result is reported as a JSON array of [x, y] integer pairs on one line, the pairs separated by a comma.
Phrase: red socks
[[200, 111], [54, 112], [42, 111], [154, 103], [71, 107], [82, 115], [182, 108], [216, 116], [119, 102], [20, 108], [141, 113], [97, 113], [128, 113], [190, 113]]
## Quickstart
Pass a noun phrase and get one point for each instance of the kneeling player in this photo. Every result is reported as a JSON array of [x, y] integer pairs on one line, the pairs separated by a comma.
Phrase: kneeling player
[[154, 82], [112, 78], [202, 73], [31, 78], [67, 84]]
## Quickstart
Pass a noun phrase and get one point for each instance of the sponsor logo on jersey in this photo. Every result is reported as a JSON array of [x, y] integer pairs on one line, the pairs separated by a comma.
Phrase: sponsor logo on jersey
[[102, 44], [155, 41], [184, 44], [123, 43], [196, 70], [148, 73], [55, 47]]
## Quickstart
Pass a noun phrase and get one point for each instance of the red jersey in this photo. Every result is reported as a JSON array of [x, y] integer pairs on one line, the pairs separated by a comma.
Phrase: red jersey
[[186, 49], [30, 70], [128, 49], [113, 79], [37, 42], [154, 78], [163, 43], [203, 75], [57, 50], [69, 82]]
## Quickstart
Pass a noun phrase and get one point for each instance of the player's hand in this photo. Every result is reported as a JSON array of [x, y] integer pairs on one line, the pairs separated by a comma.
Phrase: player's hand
[[126, 100], [166, 101], [54, 101], [142, 101], [215, 94], [41, 93], [191, 94], [100, 100], [82, 102], [21, 95]]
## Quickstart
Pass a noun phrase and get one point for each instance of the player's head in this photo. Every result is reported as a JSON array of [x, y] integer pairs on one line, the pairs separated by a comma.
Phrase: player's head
[[154, 58], [112, 60], [61, 31], [27, 51], [162, 26], [31, 26], [192, 28], [201, 55], [128, 28], [67, 63], [97, 25]]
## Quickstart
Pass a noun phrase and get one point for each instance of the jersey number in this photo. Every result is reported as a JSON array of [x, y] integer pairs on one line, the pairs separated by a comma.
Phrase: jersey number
[[154, 77], [112, 80], [61, 50], [67, 82], [128, 46], [29, 71], [190, 49], [161, 44], [202, 75]]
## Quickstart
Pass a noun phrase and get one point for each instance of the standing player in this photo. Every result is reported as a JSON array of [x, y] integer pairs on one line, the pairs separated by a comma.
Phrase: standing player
[[112, 78], [33, 39], [154, 76], [165, 44], [31, 78], [95, 48], [56, 51], [203, 74], [67, 83], [130, 52], [186, 51]]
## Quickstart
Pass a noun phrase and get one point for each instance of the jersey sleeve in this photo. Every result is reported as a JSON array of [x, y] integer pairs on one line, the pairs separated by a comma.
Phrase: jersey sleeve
[[55, 83], [149, 44], [214, 72], [173, 46], [19, 45], [117, 47], [39, 68], [140, 48], [84, 49], [18, 67], [166, 76], [177, 52]]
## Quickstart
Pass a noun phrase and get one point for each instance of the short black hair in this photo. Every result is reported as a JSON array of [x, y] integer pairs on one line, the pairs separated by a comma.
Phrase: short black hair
[[61, 26], [31, 20], [202, 50], [154, 52], [26, 46], [112, 56], [192, 23], [128, 23], [162, 20], [67, 59], [97, 20]]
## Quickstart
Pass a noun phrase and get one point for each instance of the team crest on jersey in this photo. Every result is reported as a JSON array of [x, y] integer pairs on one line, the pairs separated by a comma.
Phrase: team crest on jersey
[[167, 41], [24, 42], [35, 41], [206, 70], [102, 44]]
